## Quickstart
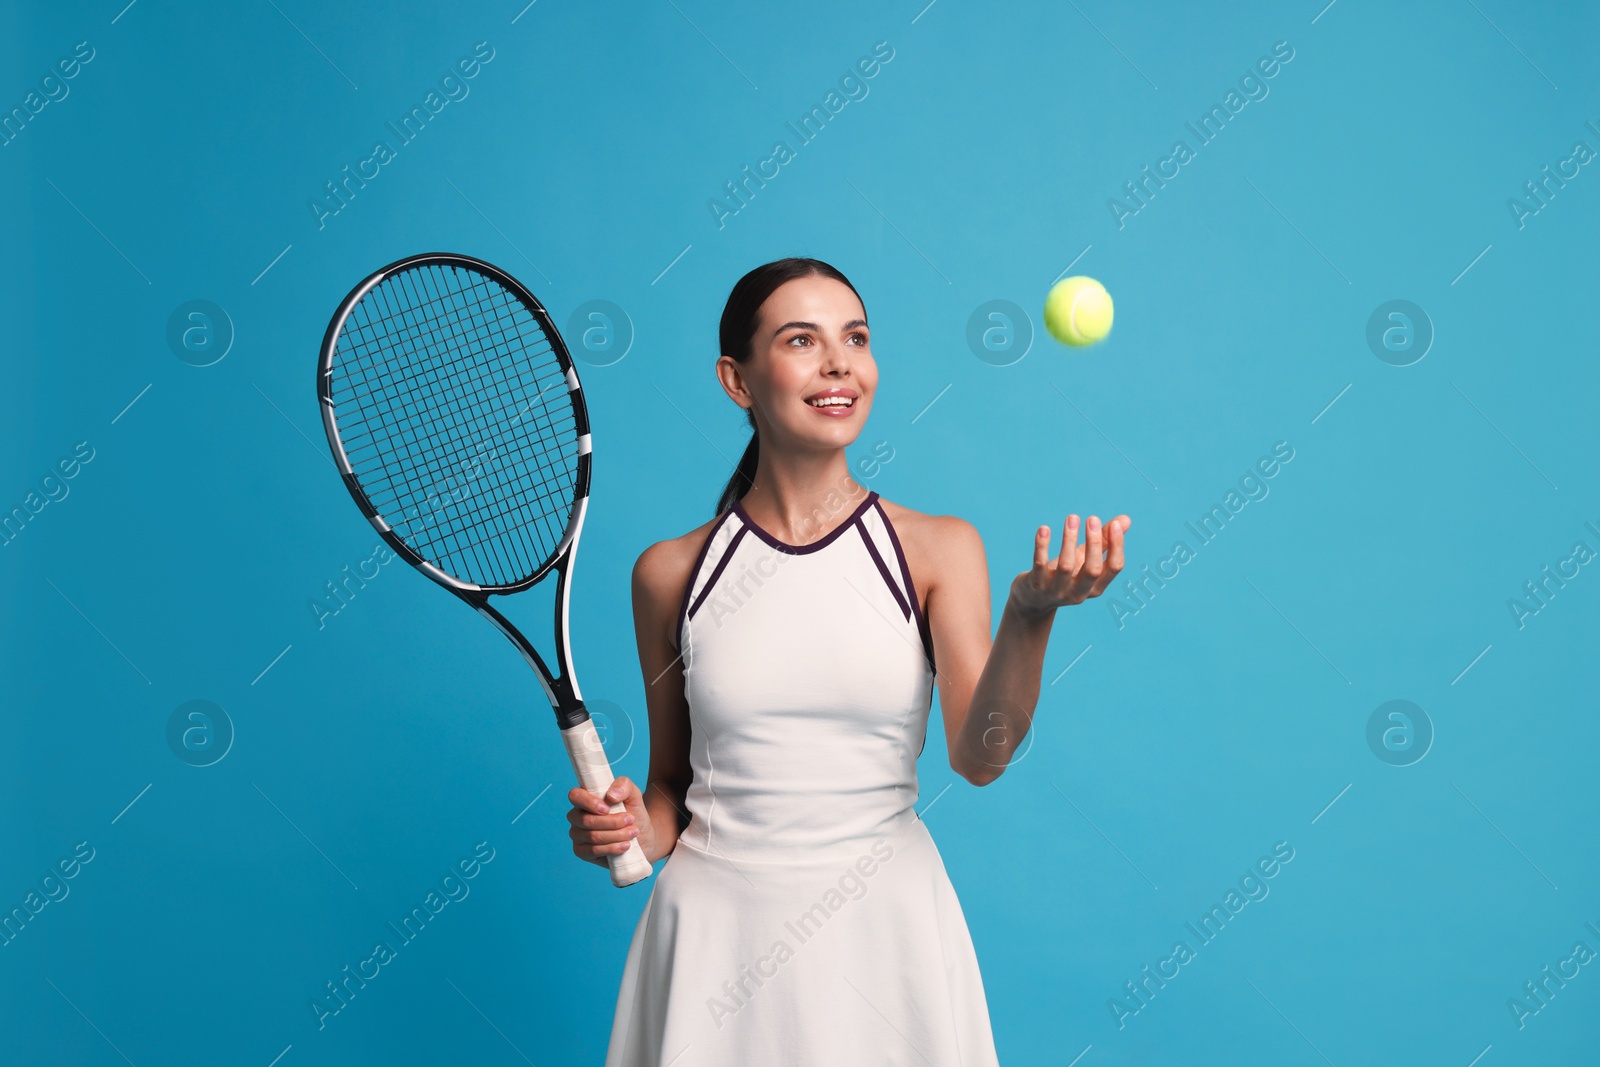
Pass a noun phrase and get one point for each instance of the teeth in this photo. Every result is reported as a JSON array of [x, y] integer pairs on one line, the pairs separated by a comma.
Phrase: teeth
[[832, 402]]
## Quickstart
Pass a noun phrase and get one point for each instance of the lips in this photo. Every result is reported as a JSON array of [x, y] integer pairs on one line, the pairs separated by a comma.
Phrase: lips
[[836, 403]]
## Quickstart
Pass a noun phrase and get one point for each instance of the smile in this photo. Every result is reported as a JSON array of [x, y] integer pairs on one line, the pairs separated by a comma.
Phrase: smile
[[833, 405]]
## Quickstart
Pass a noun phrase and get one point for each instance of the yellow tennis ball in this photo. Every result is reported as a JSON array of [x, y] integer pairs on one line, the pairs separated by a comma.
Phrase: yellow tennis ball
[[1077, 311]]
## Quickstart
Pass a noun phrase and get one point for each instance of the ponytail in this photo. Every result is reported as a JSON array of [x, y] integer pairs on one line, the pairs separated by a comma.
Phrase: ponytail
[[744, 475]]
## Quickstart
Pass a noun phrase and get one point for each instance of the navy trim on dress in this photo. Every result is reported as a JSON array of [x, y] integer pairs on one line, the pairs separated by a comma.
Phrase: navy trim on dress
[[688, 589], [716, 572], [883, 569], [911, 588], [800, 550]]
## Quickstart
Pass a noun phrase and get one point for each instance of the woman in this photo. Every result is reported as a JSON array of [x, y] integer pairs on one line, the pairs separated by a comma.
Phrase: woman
[[789, 649]]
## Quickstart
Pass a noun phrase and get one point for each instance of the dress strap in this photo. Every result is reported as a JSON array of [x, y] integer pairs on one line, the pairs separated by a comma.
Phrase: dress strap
[[884, 548], [714, 556]]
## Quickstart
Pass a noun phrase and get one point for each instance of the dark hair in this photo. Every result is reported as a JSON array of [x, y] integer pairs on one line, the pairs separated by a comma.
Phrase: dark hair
[[738, 329]]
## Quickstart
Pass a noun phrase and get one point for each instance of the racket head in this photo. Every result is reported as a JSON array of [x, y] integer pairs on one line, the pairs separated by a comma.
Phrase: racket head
[[457, 421]]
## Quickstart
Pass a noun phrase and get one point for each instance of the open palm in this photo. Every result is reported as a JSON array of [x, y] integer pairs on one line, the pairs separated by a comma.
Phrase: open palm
[[1079, 571]]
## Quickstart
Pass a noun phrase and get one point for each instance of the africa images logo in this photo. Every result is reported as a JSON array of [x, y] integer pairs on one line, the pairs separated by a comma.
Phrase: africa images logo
[[851, 885], [453, 87], [852, 86], [1211, 123]]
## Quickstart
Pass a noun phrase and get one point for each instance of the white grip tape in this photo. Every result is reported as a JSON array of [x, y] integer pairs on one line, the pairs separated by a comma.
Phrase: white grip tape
[[594, 774]]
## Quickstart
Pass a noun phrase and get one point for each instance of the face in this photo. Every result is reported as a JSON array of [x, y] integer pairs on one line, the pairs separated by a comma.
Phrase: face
[[810, 376]]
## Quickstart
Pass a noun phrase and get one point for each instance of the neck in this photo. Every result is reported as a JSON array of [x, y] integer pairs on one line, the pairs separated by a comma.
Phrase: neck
[[801, 499]]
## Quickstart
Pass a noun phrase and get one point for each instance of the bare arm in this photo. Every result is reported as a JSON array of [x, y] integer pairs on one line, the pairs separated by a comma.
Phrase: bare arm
[[989, 689], [657, 812]]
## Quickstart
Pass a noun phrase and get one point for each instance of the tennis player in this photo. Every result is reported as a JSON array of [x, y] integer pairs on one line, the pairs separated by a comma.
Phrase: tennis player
[[790, 648]]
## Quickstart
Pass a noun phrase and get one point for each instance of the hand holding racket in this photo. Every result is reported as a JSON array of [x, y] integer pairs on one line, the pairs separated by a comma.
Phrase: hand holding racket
[[600, 829], [456, 418]]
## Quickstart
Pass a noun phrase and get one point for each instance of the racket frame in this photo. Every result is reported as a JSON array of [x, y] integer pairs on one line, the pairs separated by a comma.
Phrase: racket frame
[[582, 741]]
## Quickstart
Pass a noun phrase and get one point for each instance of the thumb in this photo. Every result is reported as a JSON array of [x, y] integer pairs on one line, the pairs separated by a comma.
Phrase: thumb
[[624, 791]]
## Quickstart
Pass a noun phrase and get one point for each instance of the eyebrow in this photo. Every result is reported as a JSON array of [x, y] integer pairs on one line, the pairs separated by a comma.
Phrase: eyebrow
[[852, 324]]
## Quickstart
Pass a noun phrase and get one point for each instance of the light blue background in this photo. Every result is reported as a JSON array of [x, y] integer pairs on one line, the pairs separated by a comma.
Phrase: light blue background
[[1224, 717]]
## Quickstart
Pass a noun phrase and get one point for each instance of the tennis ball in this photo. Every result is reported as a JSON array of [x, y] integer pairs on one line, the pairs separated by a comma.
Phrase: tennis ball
[[1077, 311]]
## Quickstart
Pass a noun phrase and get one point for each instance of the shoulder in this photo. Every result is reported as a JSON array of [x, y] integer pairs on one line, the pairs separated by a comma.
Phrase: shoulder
[[662, 570], [661, 576], [934, 532], [935, 545]]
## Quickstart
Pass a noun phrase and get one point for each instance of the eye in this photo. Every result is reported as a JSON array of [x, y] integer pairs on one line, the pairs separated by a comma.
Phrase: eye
[[800, 337], [859, 337]]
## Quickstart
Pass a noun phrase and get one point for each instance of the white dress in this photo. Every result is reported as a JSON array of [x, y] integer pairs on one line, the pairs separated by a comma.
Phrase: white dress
[[805, 916]]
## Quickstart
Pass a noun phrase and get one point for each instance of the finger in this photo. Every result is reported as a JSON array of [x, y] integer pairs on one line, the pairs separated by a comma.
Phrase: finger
[[617, 848], [1099, 585], [1041, 547], [1114, 561], [582, 798], [632, 801], [1067, 562], [1094, 562], [605, 822], [589, 807], [619, 790], [634, 805], [601, 838], [1118, 527]]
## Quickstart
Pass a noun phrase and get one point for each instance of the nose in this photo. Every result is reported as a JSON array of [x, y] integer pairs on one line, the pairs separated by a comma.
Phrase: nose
[[835, 359]]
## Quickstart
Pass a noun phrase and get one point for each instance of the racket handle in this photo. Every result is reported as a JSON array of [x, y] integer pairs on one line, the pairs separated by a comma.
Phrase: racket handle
[[594, 774]]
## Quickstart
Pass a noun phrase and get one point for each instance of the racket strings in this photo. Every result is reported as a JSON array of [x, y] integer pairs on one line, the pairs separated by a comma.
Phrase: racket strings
[[491, 528], [393, 381], [469, 417], [414, 310], [420, 402], [455, 414], [432, 481], [477, 421], [504, 554], [552, 489]]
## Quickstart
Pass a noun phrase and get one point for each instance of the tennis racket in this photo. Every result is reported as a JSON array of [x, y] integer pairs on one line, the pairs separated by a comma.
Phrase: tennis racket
[[455, 416]]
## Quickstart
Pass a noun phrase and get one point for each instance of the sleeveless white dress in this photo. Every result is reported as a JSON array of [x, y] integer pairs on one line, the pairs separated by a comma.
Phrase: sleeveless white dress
[[805, 916]]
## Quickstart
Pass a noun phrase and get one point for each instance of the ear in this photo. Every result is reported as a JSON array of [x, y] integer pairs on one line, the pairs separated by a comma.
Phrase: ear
[[731, 376]]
